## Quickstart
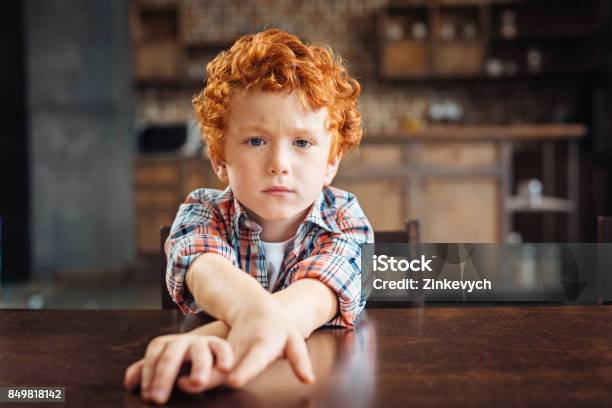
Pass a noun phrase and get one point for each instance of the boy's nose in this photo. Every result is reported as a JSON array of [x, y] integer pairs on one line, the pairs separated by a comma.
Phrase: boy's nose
[[278, 162]]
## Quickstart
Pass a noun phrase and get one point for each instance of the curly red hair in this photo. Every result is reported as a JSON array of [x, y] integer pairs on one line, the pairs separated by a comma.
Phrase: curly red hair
[[273, 60]]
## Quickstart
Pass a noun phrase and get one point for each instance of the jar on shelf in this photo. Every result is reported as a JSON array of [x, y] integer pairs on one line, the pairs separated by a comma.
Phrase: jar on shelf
[[418, 30], [448, 31], [508, 24], [469, 31], [394, 31], [534, 60]]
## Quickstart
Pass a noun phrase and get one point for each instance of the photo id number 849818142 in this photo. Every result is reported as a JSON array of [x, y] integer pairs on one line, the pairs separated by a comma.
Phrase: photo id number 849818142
[[32, 394]]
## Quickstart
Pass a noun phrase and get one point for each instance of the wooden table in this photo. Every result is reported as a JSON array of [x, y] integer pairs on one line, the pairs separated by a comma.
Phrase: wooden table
[[473, 356]]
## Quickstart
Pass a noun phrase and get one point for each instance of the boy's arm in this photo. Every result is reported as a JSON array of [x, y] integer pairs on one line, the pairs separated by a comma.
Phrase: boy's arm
[[225, 291], [310, 303], [327, 281], [306, 305], [216, 328], [260, 330], [335, 261], [157, 380]]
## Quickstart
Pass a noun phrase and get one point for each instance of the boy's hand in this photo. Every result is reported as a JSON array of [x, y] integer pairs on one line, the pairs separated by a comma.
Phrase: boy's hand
[[211, 357], [260, 337]]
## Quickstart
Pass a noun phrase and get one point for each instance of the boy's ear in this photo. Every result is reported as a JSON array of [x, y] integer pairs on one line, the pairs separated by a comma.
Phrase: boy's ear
[[220, 167], [332, 169]]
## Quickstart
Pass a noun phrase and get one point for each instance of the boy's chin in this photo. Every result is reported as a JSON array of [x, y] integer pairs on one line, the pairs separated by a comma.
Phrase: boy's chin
[[280, 215]]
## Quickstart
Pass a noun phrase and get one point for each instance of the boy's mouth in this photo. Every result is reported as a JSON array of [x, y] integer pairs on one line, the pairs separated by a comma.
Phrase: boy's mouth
[[278, 190]]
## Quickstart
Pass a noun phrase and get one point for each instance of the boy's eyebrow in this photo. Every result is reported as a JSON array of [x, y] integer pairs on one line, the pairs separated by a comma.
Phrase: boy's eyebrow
[[296, 130]]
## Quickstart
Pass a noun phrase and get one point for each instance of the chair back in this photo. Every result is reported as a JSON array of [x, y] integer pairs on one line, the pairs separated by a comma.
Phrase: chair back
[[410, 235], [604, 229], [166, 299]]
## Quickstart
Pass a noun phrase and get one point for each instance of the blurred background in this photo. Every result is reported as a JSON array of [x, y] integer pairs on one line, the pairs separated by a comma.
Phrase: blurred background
[[486, 120]]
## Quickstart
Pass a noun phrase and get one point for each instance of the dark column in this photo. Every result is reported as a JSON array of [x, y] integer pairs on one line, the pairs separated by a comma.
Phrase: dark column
[[80, 105], [14, 197]]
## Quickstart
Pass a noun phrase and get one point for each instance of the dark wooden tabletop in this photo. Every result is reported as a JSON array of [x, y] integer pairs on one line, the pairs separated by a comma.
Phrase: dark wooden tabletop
[[476, 356]]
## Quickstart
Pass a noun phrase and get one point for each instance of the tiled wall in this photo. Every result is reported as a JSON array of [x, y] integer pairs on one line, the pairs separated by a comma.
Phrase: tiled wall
[[349, 27]]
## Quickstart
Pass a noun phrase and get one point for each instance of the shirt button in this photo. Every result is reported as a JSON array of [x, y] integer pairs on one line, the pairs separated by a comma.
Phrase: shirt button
[[254, 248]]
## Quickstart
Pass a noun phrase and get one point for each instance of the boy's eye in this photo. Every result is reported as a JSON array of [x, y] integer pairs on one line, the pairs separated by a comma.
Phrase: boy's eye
[[255, 141], [302, 143]]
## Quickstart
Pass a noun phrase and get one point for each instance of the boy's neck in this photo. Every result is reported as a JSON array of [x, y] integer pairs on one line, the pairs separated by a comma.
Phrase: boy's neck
[[279, 231]]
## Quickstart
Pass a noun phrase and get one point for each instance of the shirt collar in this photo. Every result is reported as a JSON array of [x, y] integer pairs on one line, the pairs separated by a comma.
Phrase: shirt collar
[[323, 211], [239, 216]]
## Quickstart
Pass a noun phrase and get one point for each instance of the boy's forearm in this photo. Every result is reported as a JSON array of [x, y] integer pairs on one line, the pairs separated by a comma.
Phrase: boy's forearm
[[308, 303], [216, 328], [223, 290]]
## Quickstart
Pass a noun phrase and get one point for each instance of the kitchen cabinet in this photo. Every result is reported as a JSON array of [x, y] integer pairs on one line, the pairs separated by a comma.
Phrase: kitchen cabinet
[[161, 184], [456, 180]]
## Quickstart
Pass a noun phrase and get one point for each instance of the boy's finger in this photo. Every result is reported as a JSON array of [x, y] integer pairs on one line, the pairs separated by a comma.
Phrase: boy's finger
[[254, 361], [201, 361], [224, 355], [166, 370], [297, 355], [132, 375], [186, 384], [150, 360]]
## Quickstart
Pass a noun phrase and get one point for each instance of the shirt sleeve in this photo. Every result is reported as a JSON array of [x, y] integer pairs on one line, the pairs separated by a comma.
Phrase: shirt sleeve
[[336, 261], [198, 228]]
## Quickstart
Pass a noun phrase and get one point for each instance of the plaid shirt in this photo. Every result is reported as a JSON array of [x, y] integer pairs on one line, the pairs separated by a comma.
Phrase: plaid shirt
[[326, 246]]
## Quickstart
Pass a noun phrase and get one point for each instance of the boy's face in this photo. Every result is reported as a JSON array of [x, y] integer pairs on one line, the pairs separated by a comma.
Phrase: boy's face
[[276, 154]]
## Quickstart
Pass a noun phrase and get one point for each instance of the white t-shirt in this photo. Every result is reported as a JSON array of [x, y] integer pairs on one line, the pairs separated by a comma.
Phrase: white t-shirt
[[275, 253]]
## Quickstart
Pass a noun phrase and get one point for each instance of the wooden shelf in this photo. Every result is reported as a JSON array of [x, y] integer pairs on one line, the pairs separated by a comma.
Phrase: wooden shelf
[[569, 33], [539, 78], [484, 133], [212, 46], [544, 204], [157, 5]]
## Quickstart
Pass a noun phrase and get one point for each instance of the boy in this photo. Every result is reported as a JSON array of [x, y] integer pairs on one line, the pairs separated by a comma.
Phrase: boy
[[278, 116]]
